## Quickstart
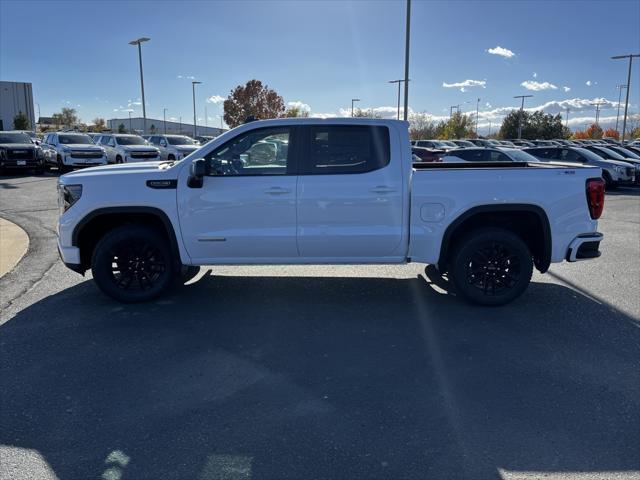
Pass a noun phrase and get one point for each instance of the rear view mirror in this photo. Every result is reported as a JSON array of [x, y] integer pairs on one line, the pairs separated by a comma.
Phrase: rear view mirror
[[197, 171]]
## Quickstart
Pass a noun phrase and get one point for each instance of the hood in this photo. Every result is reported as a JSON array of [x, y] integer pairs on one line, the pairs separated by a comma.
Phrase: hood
[[139, 148], [620, 163], [83, 146], [18, 146], [119, 168], [187, 148]]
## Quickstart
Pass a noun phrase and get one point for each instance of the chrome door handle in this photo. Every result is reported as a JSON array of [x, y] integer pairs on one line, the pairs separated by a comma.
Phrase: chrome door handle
[[382, 189], [277, 191]]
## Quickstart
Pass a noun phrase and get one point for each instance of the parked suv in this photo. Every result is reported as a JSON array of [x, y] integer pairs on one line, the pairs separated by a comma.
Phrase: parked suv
[[488, 154], [174, 147], [126, 148], [18, 151], [614, 172], [69, 150]]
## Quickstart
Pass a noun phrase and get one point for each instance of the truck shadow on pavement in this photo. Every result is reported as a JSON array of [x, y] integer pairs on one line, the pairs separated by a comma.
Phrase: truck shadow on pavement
[[281, 377]]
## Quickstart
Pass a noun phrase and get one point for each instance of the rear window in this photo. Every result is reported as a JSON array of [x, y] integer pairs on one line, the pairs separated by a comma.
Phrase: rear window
[[346, 149]]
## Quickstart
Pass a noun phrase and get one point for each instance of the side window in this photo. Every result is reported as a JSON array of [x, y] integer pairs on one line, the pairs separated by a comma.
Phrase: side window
[[496, 156], [111, 141], [345, 149], [262, 151], [162, 141], [470, 155], [571, 156], [154, 140]]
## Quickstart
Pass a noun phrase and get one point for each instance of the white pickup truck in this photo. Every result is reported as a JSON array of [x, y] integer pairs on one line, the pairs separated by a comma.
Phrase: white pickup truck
[[334, 191]]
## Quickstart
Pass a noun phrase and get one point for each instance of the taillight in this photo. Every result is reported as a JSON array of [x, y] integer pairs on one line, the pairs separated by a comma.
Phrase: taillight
[[595, 197]]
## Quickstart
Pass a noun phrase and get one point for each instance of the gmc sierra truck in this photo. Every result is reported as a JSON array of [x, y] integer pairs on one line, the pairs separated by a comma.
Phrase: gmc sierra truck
[[326, 191]]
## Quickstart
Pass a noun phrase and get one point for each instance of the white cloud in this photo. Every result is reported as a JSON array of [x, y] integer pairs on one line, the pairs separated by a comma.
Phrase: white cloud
[[215, 99], [488, 105], [503, 52], [466, 83], [566, 89], [187, 77], [537, 86], [588, 83], [299, 105], [535, 75]]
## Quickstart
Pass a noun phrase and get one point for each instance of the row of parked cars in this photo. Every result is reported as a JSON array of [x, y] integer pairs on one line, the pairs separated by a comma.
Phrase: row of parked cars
[[620, 163], [68, 150]]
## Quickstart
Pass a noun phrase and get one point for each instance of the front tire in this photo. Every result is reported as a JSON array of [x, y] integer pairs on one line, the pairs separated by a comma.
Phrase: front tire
[[490, 266], [133, 264]]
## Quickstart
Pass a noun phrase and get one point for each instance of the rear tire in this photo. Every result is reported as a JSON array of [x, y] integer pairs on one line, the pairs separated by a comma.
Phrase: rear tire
[[490, 266], [118, 159], [133, 264], [609, 184]]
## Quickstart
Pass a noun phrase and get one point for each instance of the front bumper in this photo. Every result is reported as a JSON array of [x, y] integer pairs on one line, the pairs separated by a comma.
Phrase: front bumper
[[584, 247], [70, 256]]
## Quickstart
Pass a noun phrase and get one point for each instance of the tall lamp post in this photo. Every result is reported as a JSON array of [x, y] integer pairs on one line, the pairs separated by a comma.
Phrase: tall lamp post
[[193, 88], [130, 129], [139, 42], [407, 41], [164, 120], [398, 82], [626, 103], [520, 115], [619, 87], [477, 108], [353, 100]]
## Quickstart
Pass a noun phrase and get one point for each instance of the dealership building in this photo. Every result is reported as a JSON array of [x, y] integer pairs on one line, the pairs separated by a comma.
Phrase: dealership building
[[16, 97], [136, 124]]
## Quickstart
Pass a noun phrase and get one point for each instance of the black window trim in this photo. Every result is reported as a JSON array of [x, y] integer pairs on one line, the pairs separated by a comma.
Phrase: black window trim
[[293, 152], [305, 150]]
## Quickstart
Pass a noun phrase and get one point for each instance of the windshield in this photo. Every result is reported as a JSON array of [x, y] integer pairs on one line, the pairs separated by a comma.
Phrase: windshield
[[68, 139], [181, 141], [608, 153], [520, 156], [130, 140], [626, 153], [14, 137], [588, 154]]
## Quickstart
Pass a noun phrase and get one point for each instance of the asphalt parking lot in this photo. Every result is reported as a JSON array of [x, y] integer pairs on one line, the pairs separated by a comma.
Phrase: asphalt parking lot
[[318, 372]]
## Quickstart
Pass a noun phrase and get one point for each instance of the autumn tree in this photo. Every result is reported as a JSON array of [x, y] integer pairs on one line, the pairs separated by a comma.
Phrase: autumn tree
[[21, 121], [421, 127], [612, 133], [99, 124], [580, 135], [252, 100], [594, 131], [292, 112]]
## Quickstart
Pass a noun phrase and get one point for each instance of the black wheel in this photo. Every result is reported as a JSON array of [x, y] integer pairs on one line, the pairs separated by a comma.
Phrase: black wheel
[[118, 159], [132, 264], [171, 157], [62, 168], [490, 266]]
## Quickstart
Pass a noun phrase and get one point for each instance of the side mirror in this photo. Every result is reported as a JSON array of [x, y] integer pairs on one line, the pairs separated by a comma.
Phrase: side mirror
[[197, 171]]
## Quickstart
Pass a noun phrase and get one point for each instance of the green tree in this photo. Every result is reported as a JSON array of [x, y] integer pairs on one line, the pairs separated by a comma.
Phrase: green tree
[[21, 121], [152, 128], [99, 125], [534, 125], [292, 112], [68, 117], [252, 100], [458, 126], [122, 128]]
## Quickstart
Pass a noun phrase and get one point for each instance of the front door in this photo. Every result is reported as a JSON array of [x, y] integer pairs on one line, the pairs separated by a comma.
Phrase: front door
[[245, 211]]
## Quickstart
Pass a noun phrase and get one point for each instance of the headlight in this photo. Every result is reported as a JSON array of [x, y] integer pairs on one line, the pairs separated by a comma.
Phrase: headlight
[[66, 149], [67, 196]]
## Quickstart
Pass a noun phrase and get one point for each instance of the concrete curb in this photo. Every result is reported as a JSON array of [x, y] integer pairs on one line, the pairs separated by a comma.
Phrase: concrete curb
[[14, 243]]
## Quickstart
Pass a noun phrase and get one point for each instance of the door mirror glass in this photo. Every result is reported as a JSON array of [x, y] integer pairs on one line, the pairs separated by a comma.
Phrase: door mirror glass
[[197, 171]]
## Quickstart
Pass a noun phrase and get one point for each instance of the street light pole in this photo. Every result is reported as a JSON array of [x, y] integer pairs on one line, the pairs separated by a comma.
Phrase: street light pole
[[477, 109], [597, 105], [164, 120], [406, 61], [139, 42], [398, 82], [626, 103], [353, 100], [619, 87], [130, 129], [520, 115], [193, 88]]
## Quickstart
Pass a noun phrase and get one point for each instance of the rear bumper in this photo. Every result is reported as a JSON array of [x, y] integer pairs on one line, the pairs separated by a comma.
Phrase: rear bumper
[[584, 247]]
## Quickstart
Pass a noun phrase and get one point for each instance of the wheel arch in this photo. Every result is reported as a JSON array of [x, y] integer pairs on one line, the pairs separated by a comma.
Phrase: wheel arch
[[96, 224], [505, 216]]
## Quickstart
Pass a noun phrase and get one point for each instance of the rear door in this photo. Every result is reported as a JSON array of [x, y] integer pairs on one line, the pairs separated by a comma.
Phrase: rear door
[[350, 194]]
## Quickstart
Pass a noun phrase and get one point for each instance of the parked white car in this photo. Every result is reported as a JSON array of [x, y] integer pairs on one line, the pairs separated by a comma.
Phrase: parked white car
[[343, 191], [174, 147], [125, 148], [68, 150]]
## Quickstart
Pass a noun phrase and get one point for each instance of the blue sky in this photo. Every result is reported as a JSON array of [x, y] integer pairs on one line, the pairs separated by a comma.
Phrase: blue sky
[[322, 54]]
